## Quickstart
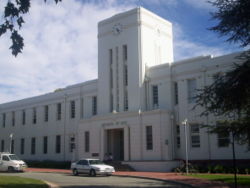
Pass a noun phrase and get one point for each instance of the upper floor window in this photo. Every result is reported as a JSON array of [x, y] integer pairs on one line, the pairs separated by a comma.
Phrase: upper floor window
[[46, 113], [192, 89], [23, 117], [13, 118], [72, 109], [111, 102], [126, 100], [125, 75], [125, 52], [4, 120], [58, 111], [94, 105], [176, 93], [195, 136], [155, 96], [34, 116]]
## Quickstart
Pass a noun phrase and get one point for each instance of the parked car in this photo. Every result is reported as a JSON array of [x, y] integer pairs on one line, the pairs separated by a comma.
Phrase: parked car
[[10, 162], [92, 167]]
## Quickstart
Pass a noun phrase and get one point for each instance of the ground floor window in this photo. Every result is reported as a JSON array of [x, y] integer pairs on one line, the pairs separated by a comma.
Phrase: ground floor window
[[33, 146], [149, 137], [223, 139], [2, 145], [178, 138], [58, 144], [195, 135], [86, 141], [22, 146], [45, 144]]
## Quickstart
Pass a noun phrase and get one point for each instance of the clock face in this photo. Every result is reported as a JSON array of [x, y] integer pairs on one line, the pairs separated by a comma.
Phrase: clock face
[[117, 29]]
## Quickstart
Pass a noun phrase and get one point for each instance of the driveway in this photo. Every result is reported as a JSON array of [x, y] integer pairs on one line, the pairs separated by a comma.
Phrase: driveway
[[69, 181]]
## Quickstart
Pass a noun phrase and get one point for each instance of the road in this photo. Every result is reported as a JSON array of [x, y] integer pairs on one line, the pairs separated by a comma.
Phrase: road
[[69, 181]]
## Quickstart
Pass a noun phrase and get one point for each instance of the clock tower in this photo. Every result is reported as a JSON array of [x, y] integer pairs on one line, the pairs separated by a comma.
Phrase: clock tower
[[128, 43]]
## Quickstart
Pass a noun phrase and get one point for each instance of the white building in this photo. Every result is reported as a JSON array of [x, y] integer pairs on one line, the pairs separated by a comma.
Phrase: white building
[[133, 110]]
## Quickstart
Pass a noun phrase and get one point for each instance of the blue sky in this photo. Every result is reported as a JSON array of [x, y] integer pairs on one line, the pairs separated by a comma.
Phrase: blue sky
[[61, 43]]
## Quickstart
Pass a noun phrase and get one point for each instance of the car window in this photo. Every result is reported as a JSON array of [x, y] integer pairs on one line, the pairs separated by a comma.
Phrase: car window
[[5, 158], [93, 162], [82, 162]]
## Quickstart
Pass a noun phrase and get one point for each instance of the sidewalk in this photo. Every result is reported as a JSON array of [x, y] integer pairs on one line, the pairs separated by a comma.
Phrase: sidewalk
[[175, 177]]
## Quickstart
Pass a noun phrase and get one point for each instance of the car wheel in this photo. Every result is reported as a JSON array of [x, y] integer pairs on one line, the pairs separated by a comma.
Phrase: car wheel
[[10, 169], [92, 172], [75, 172]]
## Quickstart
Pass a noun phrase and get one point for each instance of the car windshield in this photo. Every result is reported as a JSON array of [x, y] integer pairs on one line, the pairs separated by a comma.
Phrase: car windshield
[[93, 162], [14, 157]]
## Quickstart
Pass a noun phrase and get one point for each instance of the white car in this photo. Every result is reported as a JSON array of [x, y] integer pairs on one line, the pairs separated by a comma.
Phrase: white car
[[10, 162], [92, 167]]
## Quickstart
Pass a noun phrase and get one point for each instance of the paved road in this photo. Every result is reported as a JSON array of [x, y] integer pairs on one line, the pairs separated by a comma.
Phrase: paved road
[[69, 181]]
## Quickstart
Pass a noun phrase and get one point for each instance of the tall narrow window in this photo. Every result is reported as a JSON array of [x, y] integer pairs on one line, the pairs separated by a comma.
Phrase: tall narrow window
[[94, 105], [117, 78], [59, 111], [46, 113], [82, 108], [72, 109], [155, 96], [13, 118], [71, 144], [22, 146], [86, 141], [45, 144], [2, 145], [176, 93], [178, 138], [111, 67], [23, 117], [126, 75], [12, 146], [125, 52], [4, 120], [58, 144], [223, 139], [149, 137], [111, 103], [126, 100], [33, 146], [34, 115], [192, 86], [195, 136]]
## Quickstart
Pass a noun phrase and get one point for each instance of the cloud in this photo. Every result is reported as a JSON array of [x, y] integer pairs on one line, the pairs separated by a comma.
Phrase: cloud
[[200, 4]]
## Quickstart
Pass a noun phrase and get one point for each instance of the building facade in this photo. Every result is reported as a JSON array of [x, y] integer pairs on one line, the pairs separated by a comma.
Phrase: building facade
[[134, 109]]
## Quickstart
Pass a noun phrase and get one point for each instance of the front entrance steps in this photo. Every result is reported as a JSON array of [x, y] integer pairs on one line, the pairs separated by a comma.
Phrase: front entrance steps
[[119, 166]]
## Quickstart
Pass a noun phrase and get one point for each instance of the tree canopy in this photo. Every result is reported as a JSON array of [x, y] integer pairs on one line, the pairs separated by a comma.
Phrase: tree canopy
[[13, 21]]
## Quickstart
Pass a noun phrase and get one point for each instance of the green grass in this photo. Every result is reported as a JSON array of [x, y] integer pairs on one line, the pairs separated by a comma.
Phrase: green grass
[[18, 182], [227, 178]]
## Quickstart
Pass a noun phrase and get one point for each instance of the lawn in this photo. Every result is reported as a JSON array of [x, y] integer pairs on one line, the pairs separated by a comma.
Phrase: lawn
[[18, 182], [227, 178]]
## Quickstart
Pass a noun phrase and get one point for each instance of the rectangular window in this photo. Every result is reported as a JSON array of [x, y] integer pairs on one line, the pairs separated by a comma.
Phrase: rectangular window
[[2, 145], [149, 137], [94, 105], [223, 139], [155, 96], [4, 120], [82, 108], [22, 146], [34, 115], [46, 113], [59, 111], [192, 89], [125, 52], [12, 147], [126, 75], [71, 144], [111, 103], [110, 56], [23, 117], [33, 146], [13, 118], [45, 144], [178, 138], [126, 100], [111, 68], [195, 136], [176, 93], [86, 141], [72, 109], [58, 144]]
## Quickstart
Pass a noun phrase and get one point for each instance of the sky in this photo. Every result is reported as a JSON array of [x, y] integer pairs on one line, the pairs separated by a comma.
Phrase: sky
[[61, 41]]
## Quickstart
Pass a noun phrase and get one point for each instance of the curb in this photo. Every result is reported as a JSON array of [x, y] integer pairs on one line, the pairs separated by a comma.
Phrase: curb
[[51, 185]]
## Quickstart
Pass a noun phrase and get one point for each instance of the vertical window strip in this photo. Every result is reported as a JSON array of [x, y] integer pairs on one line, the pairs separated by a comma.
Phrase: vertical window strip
[[149, 137], [117, 79], [58, 144], [176, 93], [195, 136], [192, 87], [59, 111], [46, 113], [94, 105], [178, 138], [22, 146], [86, 141], [13, 119], [45, 144], [72, 109], [23, 117], [4, 120], [2, 145], [125, 100], [34, 115], [33, 146], [155, 96]]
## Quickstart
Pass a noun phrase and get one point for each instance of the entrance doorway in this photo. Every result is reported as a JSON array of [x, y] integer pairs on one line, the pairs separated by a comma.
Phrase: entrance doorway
[[115, 144]]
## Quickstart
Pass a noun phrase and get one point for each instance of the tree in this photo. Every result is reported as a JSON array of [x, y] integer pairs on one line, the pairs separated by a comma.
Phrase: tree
[[13, 21]]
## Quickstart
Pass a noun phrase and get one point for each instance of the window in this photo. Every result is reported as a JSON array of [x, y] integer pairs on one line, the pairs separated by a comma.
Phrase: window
[[45, 144], [155, 96], [149, 137], [111, 69], [111, 103], [195, 136], [46, 113], [71, 144], [87, 141], [192, 90], [178, 138], [72, 109], [126, 100], [33, 146], [125, 52], [176, 93], [82, 108], [59, 111], [2, 145], [94, 105], [4, 120], [22, 146], [34, 115], [110, 56], [126, 75], [13, 118], [12, 146], [223, 139], [58, 144], [23, 117]]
